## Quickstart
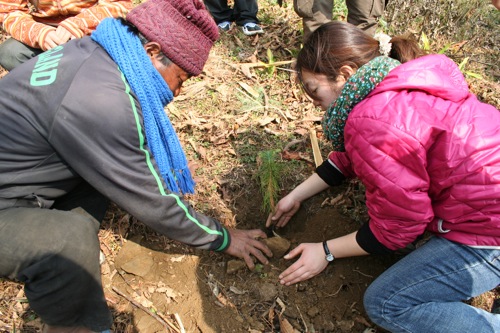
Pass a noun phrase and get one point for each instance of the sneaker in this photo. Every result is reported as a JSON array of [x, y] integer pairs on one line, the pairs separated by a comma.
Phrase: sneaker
[[251, 28], [495, 308], [224, 26], [102, 258]]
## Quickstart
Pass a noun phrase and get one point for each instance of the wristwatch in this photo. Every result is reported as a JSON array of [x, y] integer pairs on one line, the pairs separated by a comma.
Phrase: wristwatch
[[328, 256]]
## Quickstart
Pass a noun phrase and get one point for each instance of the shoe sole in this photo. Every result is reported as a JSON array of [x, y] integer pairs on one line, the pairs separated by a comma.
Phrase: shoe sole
[[251, 33]]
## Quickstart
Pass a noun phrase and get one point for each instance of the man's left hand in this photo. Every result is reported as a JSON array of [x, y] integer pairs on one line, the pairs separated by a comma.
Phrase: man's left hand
[[244, 245]]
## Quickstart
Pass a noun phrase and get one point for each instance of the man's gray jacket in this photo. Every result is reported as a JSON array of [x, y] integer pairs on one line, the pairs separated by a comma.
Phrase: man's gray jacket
[[69, 115]]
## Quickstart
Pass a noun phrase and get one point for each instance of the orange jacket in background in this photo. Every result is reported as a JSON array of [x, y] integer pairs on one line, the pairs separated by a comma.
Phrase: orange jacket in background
[[30, 21]]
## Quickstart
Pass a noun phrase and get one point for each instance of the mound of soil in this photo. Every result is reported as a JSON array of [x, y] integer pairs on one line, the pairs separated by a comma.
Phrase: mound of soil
[[208, 292], [153, 284]]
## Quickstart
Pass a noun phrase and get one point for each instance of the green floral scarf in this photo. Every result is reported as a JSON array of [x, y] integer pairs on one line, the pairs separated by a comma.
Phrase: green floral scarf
[[357, 87]]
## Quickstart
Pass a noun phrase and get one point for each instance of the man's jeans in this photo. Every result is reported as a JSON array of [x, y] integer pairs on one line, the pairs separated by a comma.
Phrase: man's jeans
[[55, 253], [424, 291]]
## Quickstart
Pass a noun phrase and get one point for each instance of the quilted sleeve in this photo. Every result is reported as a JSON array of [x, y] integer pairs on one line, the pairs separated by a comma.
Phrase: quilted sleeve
[[87, 21], [342, 163], [391, 163]]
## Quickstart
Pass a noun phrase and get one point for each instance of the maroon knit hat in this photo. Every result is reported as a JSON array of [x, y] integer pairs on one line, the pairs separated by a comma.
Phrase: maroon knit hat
[[184, 29]]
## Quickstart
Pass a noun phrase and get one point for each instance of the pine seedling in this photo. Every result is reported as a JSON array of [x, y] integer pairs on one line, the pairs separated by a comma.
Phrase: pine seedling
[[269, 173]]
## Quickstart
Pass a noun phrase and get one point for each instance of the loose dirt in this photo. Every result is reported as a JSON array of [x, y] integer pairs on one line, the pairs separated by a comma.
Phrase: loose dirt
[[223, 118]]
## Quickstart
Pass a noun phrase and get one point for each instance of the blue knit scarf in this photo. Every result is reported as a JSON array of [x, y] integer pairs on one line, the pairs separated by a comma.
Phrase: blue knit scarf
[[154, 94]]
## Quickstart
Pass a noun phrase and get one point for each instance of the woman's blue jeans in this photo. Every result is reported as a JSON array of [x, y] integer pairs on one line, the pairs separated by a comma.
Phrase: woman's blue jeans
[[424, 292]]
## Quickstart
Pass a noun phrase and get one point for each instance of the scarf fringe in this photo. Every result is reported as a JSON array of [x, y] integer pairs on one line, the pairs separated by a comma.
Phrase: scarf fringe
[[185, 180]]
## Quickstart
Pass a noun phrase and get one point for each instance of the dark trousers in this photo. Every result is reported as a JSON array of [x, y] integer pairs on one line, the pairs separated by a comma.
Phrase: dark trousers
[[55, 253], [13, 53], [244, 11], [362, 13]]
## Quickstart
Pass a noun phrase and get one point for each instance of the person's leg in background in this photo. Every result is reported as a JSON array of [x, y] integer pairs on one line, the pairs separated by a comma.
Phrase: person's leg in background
[[221, 12], [424, 291], [365, 14], [55, 253], [314, 13], [13, 53], [246, 16]]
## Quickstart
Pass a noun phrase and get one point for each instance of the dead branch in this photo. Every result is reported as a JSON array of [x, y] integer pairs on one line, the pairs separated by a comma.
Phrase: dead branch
[[318, 159], [263, 64], [355, 270], [292, 143], [336, 293], [162, 320]]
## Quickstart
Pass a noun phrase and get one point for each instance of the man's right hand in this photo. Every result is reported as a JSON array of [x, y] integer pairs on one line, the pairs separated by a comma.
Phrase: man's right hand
[[244, 245]]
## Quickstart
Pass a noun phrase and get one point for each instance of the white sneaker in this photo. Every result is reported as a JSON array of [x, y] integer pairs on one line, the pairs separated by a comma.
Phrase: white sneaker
[[224, 26], [251, 28], [102, 258]]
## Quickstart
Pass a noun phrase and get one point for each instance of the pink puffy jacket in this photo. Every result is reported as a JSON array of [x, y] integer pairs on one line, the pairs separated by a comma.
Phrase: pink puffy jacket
[[428, 153]]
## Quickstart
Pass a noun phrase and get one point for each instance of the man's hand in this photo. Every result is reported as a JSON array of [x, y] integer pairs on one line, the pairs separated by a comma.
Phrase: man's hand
[[311, 263], [244, 245]]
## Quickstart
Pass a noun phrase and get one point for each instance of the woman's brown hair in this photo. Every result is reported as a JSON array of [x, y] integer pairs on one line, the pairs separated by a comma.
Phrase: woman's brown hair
[[337, 43]]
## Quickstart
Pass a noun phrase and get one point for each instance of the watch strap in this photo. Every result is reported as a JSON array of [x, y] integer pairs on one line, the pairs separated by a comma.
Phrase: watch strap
[[328, 255]]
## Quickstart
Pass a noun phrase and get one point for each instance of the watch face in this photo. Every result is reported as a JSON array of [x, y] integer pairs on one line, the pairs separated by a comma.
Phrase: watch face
[[329, 257]]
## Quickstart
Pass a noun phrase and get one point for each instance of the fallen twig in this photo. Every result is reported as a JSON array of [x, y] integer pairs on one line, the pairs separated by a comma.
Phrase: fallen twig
[[303, 321], [178, 318], [336, 293], [164, 321], [292, 143], [318, 159], [270, 131], [263, 64], [355, 270]]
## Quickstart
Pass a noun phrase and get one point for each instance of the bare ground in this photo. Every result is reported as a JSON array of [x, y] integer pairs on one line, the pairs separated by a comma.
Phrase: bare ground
[[235, 109]]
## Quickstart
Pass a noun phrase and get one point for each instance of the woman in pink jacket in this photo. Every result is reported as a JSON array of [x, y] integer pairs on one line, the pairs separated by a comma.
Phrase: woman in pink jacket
[[428, 153]]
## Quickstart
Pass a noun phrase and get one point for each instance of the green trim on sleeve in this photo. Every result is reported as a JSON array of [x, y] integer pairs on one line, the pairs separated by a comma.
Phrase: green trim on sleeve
[[190, 217], [157, 176], [141, 137], [226, 242]]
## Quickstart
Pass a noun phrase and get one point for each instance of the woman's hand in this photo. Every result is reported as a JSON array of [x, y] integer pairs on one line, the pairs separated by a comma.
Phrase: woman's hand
[[290, 204], [283, 212], [311, 263], [244, 245]]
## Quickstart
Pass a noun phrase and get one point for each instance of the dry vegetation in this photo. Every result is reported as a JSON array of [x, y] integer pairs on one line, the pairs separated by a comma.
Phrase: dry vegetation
[[247, 102]]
